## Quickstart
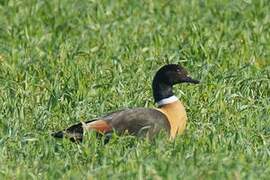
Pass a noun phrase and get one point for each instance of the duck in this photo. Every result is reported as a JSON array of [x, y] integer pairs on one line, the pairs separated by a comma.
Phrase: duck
[[169, 115]]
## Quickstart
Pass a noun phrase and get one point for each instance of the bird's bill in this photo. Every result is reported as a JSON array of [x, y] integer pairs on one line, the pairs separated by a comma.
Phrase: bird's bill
[[190, 80]]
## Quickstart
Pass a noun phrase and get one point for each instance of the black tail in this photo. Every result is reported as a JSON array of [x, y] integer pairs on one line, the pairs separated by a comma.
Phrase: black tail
[[58, 134], [74, 133]]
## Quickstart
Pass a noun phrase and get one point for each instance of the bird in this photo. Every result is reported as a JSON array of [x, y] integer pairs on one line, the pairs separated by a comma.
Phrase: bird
[[169, 115]]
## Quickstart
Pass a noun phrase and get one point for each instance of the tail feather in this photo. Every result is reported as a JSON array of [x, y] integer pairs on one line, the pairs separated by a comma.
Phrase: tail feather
[[58, 134], [75, 132]]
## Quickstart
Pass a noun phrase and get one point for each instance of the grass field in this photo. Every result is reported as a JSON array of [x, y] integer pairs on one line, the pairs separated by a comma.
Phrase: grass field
[[66, 61]]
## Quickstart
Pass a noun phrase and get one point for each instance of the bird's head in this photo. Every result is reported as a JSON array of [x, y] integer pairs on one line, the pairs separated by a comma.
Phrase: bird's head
[[172, 74]]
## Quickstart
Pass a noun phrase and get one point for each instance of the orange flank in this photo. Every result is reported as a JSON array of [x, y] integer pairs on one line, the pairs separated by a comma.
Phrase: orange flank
[[99, 126]]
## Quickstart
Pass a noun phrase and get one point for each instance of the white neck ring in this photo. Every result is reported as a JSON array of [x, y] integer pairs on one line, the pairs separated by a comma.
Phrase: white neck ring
[[168, 100]]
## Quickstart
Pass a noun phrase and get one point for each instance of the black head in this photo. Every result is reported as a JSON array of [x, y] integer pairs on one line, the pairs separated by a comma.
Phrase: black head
[[166, 77], [172, 74]]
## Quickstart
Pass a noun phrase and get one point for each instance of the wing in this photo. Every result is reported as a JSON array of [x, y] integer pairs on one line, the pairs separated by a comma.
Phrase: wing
[[140, 122]]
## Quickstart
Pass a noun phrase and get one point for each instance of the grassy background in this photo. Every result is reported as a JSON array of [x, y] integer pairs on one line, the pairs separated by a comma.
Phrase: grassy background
[[65, 61]]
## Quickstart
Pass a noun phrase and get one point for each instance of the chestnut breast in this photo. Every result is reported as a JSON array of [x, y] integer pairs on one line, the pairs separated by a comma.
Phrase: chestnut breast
[[176, 115]]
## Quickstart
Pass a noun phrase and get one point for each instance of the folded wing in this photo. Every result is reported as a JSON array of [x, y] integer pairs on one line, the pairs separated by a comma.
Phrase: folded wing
[[138, 122]]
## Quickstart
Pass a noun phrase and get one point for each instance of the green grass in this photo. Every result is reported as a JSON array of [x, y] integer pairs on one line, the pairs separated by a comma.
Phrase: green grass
[[66, 61]]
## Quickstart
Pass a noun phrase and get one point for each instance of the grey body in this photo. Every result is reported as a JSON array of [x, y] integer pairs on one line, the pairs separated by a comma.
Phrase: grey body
[[138, 121]]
